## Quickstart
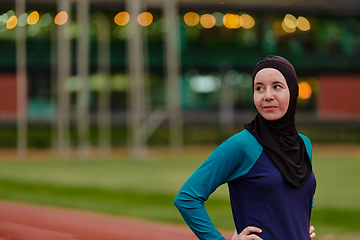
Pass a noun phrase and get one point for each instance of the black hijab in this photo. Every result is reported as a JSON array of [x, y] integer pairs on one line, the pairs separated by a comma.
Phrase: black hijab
[[279, 138]]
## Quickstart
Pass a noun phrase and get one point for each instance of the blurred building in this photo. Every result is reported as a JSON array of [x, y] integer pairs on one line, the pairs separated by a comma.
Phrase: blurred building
[[220, 43]]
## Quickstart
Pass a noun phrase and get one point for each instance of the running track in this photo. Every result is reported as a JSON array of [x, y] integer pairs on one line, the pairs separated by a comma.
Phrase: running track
[[19, 221]]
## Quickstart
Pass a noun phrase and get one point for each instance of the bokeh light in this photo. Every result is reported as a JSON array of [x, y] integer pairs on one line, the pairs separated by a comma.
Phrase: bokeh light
[[122, 18], [22, 20], [303, 23], [61, 18], [304, 90], [191, 19], [33, 18], [289, 23], [249, 21], [10, 13], [204, 83], [3, 18], [287, 29], [207, 21], [12, 22], [237, 79], [218, 18], [145, 19], [45, 20], [232, 21]]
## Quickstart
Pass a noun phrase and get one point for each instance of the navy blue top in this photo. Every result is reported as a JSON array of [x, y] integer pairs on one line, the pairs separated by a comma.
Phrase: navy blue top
[[262, 198], [259, 195]]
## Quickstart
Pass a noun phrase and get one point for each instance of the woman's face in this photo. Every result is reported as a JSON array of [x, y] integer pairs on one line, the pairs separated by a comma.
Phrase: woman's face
[[271, 94]]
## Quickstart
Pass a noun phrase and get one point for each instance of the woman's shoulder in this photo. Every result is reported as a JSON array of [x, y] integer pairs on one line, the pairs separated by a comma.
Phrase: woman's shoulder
[[306, 140], [244, 138], [307, 143], [244, 143]]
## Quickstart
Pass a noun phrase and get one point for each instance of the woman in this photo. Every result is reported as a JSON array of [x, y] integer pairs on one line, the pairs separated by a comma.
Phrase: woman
[[267, 167]]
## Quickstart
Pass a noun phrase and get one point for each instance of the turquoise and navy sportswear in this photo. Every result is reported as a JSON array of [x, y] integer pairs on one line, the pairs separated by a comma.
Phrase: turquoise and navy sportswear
[[259, 195]]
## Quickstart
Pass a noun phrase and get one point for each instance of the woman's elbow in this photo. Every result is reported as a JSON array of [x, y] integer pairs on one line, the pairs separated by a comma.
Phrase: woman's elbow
[[177, 201], [182, 200]]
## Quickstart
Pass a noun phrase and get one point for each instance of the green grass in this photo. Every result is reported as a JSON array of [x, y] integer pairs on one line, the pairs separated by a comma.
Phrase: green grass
[[146, 189]]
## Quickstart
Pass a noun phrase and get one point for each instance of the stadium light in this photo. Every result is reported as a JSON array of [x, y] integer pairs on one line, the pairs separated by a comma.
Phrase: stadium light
[[122, 18], [303, 23], [232, 21], [33, 18], [191, 19], [61, 18], [289, 23], [145, 19], [207, 20], [249, 21], [304, 90], [12, 22]]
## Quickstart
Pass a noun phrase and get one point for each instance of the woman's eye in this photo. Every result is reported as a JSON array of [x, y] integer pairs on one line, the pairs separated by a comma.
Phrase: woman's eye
[[277, 86], [259, 88]]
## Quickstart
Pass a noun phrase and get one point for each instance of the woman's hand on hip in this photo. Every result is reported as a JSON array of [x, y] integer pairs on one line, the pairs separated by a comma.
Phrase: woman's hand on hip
[[311, 232], [244, 235]]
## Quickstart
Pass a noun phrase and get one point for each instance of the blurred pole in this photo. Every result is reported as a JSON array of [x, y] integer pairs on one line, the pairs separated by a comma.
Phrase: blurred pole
[[83, 116], [63, 75], [136, 105], [104, 112], [21, 78], [227, 112], [146, 88], [173, 75], [53, 94]]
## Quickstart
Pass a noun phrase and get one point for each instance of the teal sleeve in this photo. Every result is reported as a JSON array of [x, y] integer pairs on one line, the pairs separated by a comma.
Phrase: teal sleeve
[[307, 145], [232, 159], [309, 151]]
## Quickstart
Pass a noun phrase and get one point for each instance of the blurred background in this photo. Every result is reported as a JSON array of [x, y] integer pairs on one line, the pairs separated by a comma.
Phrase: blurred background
[[136, 73], [167, 80]]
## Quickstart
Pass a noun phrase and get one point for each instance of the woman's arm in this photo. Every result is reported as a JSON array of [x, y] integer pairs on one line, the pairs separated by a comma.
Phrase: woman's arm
[[196, 190], [232, 159]]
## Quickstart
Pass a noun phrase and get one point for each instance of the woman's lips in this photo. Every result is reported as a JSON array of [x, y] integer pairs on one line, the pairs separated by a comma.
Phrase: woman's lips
[[269, 107]]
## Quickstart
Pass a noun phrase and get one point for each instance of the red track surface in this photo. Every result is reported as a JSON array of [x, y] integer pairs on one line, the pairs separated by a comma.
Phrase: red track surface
[[20, 221]]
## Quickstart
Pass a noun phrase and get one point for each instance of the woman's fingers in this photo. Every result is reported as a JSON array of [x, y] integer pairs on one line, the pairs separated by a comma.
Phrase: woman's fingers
[[311, 232], [249, 230]]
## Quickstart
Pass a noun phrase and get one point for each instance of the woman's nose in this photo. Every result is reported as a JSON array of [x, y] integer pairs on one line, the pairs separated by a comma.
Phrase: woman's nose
[[268, 95]]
